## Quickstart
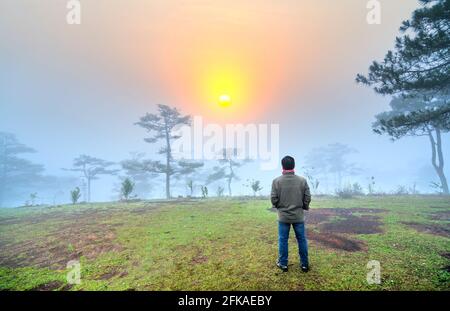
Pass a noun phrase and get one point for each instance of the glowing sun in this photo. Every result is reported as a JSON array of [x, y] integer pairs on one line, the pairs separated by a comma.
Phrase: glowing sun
[[224, 100]]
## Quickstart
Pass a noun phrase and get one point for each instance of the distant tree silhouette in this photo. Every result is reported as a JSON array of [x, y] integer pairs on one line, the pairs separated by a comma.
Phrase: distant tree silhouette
[[138, 173], [15, 171], [332, 159], [228, 163], [91, 168]]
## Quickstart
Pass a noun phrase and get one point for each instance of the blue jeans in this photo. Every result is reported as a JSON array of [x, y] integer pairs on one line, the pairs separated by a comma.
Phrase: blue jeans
[[283, 237]]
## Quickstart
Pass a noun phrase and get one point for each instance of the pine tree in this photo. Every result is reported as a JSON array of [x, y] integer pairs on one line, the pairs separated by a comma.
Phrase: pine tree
[[161, 126], [15, 171], [91, 168], [417, 72], [419, 117], [420, 62]]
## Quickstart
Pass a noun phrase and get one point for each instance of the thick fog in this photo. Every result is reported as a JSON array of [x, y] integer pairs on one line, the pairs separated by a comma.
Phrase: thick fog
[[71, 90]]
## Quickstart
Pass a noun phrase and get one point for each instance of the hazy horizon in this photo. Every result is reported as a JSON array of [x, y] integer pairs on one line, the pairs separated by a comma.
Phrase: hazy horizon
[[67, 90]]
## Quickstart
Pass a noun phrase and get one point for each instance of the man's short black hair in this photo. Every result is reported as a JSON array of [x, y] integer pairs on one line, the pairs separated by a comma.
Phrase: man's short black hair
[[288, 163]]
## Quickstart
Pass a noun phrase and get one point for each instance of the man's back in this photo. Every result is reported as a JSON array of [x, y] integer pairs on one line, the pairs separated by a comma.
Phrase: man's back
[[290, 195]]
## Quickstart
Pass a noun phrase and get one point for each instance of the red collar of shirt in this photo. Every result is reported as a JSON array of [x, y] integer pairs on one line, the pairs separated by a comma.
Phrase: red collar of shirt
[[288, 171]]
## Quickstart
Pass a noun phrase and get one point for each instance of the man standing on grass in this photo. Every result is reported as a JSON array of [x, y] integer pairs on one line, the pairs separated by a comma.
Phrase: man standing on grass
[[291, 196]]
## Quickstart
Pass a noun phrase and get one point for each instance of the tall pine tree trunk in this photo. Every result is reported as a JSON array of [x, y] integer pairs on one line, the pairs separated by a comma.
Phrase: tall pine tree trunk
[[168, 182], [437, 158], [230, 178], [168, 168], [89, 188], [3, 184]]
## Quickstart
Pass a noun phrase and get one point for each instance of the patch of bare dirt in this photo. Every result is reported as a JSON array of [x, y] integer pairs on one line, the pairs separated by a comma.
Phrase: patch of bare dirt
[[66, 287], [9, 220], [434, 206], [113, 273], [353, 225], [48, 286], [315, 217], [440, 215], [363, 210], [337, 242], [199, 259], [320, 215], [267, 238], [338, 233], [434, 229], [69, 215], [349, 222], [81, 234], [146, 209]]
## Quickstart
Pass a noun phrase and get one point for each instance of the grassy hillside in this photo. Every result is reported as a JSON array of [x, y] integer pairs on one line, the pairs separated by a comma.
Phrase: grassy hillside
[[226, 245]]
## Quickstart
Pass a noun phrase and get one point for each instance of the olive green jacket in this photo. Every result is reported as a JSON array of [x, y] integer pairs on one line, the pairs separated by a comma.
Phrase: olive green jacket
[[290, 196]]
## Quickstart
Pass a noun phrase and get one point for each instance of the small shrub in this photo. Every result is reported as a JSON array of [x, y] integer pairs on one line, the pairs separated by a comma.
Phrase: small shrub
[[255, 185], [75, 195], [32, 201], [313, 182], [344, 193], [220, 191], [127, 188], [350, 191], [70, 248], [190, 186], [413, 189], [357, 189], [204, 191], [401, 190], [371, 186]]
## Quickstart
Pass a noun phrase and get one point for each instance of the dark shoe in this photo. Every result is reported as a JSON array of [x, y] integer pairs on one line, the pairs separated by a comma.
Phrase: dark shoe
[[283, 268], [304, 268]]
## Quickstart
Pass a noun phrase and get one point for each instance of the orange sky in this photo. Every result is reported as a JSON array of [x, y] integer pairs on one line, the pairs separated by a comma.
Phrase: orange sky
[[224, 49], [257, 52], [196, 51], [189, 53]]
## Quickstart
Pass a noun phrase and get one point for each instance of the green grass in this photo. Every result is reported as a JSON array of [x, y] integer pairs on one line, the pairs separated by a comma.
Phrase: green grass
[[215, 245]]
